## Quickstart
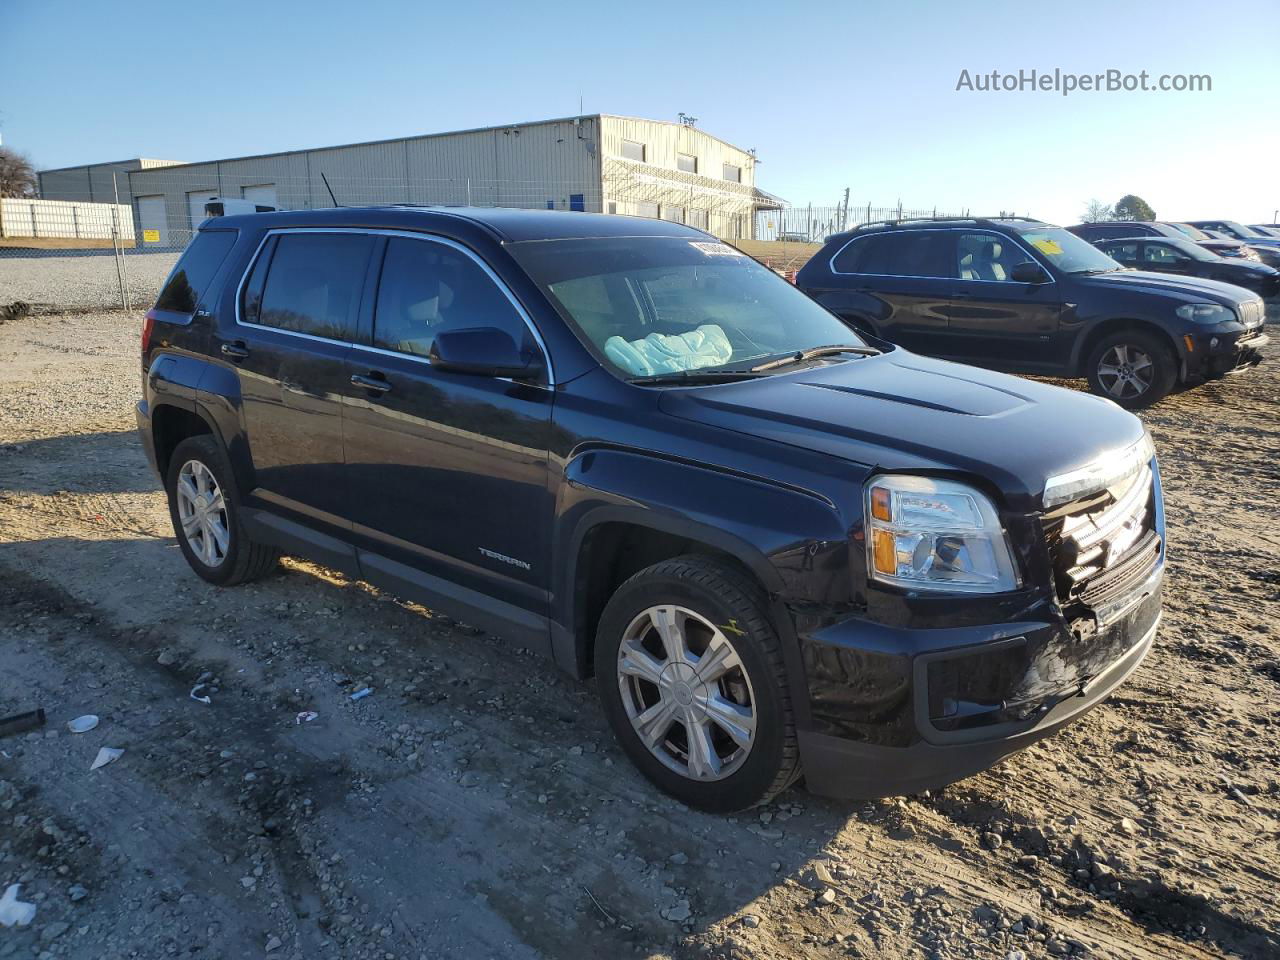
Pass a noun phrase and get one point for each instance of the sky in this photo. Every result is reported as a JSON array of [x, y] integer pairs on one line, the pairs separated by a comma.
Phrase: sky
[[857, 95]]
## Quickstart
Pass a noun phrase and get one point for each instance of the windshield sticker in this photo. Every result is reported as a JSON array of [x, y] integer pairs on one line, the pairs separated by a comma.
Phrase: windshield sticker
[[712, 249], [1048, 247]]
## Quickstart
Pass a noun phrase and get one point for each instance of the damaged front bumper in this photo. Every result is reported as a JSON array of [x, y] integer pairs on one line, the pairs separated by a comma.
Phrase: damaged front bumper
[[1216, 355], [898, 710]]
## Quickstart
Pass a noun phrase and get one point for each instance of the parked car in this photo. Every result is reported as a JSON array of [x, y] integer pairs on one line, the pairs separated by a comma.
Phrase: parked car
[[230, 206], [1222, 245], [626, 446], [1116, 229], [1024, 296], [1266, 229], [1165, 255], [1267, 248]]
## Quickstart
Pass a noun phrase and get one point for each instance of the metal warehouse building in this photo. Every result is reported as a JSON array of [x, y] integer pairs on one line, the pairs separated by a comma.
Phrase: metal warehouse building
[[598, 162]]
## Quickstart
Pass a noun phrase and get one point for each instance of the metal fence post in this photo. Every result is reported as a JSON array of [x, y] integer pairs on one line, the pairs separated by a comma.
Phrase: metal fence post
[[124, 267]]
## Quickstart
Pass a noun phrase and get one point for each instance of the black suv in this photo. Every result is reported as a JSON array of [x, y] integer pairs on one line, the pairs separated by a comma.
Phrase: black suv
[[1117, 229], [624, 445], [1028, 297]]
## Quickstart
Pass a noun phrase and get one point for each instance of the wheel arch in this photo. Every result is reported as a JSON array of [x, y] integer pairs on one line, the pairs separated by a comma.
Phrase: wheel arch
[[1106, 328], [170, 425]]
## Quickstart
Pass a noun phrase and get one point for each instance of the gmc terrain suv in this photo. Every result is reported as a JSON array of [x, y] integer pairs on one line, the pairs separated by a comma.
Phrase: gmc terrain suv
[[1027, 297], [624, 445]]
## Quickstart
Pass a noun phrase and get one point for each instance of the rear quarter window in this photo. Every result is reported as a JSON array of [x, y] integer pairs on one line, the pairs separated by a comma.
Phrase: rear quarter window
[[314, 282], [191, 276]]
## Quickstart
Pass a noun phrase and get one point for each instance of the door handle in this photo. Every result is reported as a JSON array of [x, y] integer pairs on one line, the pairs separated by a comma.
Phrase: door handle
[[236, 350], [374, 383]]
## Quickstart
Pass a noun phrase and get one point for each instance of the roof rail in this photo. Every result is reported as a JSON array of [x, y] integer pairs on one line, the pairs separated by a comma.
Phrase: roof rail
[[984, 221]]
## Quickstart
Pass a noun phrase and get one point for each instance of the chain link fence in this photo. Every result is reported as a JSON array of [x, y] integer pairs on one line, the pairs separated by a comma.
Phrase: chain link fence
[[63, 255]]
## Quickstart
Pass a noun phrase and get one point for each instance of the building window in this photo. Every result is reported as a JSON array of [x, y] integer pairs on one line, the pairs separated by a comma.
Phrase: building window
[[633, 151], [613, 206], [699, 219], [733, 173], [673, 213], [647, 210], [686, 162]]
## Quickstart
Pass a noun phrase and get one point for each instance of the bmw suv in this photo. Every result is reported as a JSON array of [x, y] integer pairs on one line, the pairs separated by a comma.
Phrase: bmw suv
[[1023, 296], [782, 551]]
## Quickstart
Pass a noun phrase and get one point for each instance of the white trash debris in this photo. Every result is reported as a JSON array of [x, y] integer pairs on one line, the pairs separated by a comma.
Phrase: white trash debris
[[14, 911], [106, 755], [204, 699], [82, 724], [361, 694], [306, 716]]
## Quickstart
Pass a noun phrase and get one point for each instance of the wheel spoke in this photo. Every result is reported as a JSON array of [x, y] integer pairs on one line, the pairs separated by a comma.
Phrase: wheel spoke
[[653, 723], [1108, 370], [1122, 353], [734, 719], [190, 525], [217, 504], [704, 762], [719, 659], [666, 620], [187, 489], [637, 662], [206, 543], [220, 535]]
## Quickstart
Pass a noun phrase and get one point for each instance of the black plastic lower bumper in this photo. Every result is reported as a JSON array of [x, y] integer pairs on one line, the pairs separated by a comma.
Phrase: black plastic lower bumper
[[963, 698], [1218, 356], [143, 416]]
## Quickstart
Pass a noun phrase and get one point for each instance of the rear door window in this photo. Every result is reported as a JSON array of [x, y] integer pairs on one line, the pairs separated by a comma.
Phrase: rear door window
[[314, 282], [191, 276], [910, 253], [427, 287]]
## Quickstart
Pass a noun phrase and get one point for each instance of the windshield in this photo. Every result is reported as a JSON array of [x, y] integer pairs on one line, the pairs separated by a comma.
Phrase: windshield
[[1266, 231], [668, 305], [1240, 230], [1193, 232], [1067, 252]]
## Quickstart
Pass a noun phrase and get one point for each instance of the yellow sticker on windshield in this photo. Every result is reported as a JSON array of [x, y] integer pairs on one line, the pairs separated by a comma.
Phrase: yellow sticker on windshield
[[1046, 246]]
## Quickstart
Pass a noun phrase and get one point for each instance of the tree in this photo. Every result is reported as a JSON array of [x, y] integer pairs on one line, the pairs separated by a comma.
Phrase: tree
[[1097, 212], [1131, 207], [17, 176]]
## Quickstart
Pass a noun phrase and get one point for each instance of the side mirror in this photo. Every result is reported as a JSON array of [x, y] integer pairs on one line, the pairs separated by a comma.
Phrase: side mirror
[[1028, 272], [483, 351]]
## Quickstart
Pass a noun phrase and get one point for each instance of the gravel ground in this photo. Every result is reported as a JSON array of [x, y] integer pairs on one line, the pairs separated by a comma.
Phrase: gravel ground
[[80, 281], [475, 804]]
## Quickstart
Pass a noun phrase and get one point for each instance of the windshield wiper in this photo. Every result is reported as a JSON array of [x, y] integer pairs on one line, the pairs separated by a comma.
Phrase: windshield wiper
[[703, 376], [801, 355]]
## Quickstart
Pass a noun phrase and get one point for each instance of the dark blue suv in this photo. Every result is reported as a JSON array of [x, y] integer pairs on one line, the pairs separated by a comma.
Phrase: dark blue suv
[[1024, 296], [624, 445]]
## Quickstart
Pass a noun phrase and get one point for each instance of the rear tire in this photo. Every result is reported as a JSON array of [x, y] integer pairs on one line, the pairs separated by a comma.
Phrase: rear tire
[[692, 680], [204, 506], [1132, 368]]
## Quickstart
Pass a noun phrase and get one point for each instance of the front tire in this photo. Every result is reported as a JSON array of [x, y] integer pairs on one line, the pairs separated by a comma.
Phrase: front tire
[[692, 681], [205, 509], [1133, 368]]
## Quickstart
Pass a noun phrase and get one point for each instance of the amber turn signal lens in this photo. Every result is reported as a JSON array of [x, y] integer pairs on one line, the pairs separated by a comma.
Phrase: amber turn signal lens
[[880, 508], [882, 541]]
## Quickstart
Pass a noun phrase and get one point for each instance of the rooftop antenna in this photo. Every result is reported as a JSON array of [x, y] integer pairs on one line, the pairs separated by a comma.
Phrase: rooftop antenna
[[330, 189]]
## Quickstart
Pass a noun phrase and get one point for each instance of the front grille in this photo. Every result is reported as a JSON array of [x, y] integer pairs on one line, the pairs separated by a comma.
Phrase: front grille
[[1105, 544], [1251, 312]]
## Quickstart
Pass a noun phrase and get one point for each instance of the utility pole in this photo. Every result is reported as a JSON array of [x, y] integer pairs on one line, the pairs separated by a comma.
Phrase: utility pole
[[844, 211]]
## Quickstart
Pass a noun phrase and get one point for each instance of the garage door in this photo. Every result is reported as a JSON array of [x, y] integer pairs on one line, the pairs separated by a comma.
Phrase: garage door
[[196, 202], [264, 193], [154, 222]]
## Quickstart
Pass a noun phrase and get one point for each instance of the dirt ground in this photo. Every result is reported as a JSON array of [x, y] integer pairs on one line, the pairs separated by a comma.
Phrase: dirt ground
[[475, 806]]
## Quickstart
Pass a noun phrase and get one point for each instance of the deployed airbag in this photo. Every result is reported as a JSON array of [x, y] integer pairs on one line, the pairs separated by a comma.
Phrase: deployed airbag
[[706, 346]]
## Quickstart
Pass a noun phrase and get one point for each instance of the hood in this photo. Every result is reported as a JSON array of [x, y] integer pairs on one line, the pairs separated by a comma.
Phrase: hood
[[1244, 270], [1220, 244], [900, 411], [1184, 289]]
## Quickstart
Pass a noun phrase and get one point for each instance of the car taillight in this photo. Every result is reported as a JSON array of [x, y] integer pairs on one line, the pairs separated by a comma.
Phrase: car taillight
[[148, 325]]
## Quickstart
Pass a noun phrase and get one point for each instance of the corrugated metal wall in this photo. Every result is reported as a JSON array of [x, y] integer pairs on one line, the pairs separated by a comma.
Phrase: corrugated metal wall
[[563, 164]]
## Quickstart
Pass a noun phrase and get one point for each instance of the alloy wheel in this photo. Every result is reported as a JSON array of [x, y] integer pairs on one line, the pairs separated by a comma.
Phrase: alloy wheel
[[686, 692], [202, 511], [1126, 372]]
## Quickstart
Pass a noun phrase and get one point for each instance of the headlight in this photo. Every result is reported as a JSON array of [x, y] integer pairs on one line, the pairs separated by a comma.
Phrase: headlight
[[938, 535], [1206, 313]]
